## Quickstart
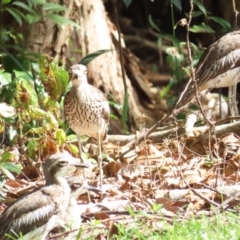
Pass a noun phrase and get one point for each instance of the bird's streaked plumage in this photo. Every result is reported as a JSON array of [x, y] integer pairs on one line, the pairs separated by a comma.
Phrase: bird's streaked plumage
[[37, 207], [86, 110], [72, 218], [218, 67]]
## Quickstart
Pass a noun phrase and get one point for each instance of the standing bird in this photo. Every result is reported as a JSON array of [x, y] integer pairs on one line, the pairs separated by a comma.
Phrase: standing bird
[[86, 110], [72, 217], [218, 67], [35, 214]]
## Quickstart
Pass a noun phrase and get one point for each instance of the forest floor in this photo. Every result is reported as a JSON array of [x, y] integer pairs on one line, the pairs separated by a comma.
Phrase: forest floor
[[181, 188]]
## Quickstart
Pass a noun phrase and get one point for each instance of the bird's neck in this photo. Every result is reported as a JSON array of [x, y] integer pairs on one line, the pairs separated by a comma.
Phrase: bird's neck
[[83, 88], [48, 179], [60, 181], [78, 192], [80, 85]]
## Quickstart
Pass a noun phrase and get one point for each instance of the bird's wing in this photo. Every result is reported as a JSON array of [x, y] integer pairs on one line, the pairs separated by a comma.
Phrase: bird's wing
[[216, 60], [102, 102], [219, 58], [106, 111], [27, 213]]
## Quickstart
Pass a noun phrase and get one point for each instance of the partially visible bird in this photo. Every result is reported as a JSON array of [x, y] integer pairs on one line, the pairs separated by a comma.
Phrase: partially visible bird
[[44, 206], [218, 67], [86, 110], [72, 217]]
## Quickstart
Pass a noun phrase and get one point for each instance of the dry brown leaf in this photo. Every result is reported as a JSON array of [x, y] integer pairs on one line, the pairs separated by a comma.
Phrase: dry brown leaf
[[113, 229], [131, 170], [165, 202], [29, 172], [101, 216], [112, 168]]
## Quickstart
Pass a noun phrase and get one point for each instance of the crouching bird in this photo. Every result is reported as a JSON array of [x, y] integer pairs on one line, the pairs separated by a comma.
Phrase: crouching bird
[[72, 217], [35, 214]]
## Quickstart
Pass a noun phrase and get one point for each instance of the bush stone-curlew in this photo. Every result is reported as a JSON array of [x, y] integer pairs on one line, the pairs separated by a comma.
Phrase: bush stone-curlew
[[38, 212], [86, 110], [218, 67]]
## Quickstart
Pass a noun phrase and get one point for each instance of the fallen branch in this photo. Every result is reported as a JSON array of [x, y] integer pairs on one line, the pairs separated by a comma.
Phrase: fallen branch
[[159, 136]]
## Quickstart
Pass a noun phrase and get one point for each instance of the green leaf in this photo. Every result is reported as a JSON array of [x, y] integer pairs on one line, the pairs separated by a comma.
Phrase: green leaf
[[125, 110], [6, 1], [31, 19], [74, 149], [174, 61], [115, 105], [36, 2], [15, 15], [177, 4], [39, 130], [221, 22], [127, 2], [32, 147], [131, 211], [200, 6], [173, 39], [39, 114], [54, 78], [72, 138], [6, 156], [11, 167], [25, 93], [166, 89], [156, 207], [60, 20], [24, 75], [60, 136], [159, 41], [24, 6], [13, 58], [201, 29], [53, 7], [154, 26], [195, 14], [7, 173], [113, 116], [5, 78], [93, 55]]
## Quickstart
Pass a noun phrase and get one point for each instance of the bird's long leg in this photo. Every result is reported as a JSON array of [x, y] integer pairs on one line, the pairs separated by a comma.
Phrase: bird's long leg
[[99, 157], [232, 100], [82, 161]]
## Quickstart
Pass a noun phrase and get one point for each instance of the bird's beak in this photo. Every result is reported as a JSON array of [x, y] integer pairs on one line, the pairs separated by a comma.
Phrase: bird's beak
[[82, 165], [76, 163], [91, 188]]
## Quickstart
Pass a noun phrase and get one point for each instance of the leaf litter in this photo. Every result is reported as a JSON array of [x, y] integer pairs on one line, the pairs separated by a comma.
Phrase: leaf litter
[[182, 177]]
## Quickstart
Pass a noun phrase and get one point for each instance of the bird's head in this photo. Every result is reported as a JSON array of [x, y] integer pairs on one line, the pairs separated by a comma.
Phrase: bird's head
[[80, 186], [78, 74], [60, 164]]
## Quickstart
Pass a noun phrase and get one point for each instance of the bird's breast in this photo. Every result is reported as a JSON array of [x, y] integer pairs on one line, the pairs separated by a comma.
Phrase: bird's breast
[[227, 79]]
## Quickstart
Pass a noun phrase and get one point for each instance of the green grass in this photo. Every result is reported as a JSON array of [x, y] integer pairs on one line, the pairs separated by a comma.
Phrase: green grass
[[143, 226], [217, 227]]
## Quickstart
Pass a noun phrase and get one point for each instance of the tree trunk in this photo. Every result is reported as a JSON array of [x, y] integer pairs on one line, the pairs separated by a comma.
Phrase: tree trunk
[[69, 45]]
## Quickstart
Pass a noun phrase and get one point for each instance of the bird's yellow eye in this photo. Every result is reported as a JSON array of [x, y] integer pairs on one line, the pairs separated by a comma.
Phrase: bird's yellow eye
[[76, 185], [62, 163]]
